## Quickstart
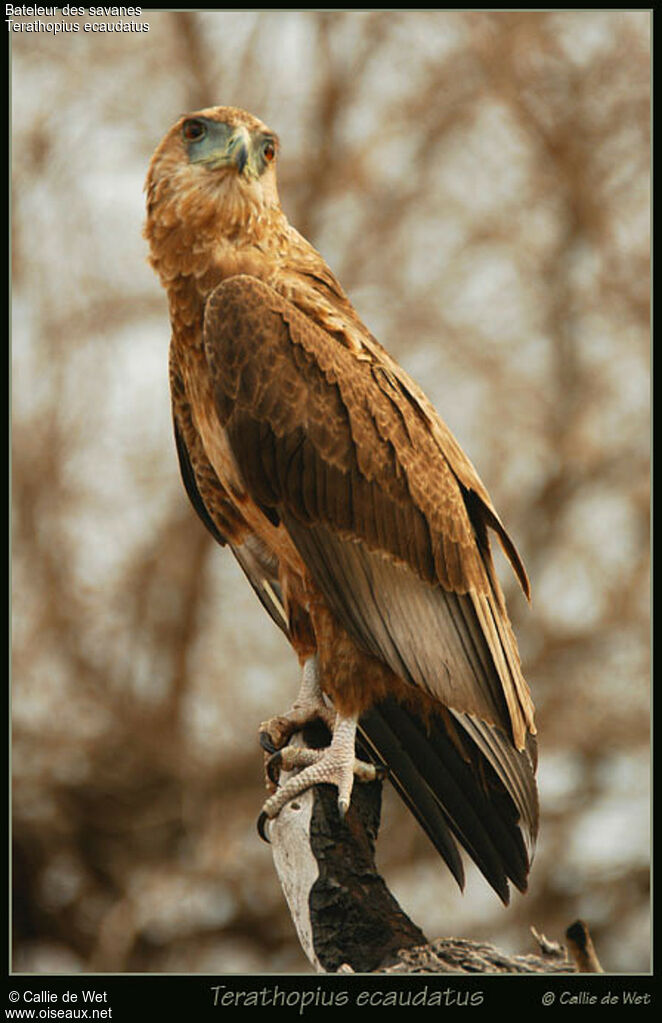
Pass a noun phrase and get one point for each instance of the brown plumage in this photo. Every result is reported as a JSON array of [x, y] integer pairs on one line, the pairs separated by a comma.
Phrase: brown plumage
[[356, 516]]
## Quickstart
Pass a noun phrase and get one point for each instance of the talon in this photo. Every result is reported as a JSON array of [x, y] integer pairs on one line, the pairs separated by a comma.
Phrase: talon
[[273, 766], [261, 827], [333, 765], [267, 743]]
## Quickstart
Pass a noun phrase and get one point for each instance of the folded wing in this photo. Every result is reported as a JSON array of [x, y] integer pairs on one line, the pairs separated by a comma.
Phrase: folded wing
[[392, 522]]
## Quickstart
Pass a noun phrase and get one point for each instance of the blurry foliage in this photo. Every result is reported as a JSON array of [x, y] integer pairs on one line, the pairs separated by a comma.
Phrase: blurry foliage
[[480, 184]]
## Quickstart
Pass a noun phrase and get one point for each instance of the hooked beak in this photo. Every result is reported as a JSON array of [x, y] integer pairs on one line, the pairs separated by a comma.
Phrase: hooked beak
[[237, 149], [225, 146]]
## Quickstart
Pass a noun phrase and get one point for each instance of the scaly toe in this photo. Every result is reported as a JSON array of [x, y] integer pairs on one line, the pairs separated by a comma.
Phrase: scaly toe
[[276, 733], [291, 758], [320, 767]]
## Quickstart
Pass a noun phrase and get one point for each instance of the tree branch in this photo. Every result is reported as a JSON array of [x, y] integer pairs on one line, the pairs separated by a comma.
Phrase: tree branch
[[345, 916]]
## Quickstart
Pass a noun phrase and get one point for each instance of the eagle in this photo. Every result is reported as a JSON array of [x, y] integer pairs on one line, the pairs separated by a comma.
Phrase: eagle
[[360, 523]]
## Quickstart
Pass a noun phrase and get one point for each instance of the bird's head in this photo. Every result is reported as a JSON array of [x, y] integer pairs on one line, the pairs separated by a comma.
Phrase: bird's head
[[229, 142], [216, 165]]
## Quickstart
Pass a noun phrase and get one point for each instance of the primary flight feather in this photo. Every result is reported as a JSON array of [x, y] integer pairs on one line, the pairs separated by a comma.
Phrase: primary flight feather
[[357, 518]]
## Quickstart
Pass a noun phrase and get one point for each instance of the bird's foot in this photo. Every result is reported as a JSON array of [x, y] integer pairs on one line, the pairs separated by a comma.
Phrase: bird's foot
[[335, 765], [275, 733], [309, 706]]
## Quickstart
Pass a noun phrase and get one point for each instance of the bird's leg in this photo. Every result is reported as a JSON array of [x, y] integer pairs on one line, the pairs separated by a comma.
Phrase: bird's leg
[[308, 706], [335, 765]]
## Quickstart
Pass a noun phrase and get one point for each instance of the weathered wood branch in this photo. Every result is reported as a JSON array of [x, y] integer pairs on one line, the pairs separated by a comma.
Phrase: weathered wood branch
[[345, 916]]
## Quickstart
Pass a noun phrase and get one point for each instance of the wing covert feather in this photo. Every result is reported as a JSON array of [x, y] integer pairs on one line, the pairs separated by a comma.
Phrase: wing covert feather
[[278, 366]]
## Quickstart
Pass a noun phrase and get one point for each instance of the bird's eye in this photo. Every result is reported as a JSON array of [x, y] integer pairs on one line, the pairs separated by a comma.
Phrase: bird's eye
[[269, 150], [194, 130]]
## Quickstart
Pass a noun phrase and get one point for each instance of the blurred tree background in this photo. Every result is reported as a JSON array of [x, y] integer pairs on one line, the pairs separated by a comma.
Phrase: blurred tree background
[[479, 181]]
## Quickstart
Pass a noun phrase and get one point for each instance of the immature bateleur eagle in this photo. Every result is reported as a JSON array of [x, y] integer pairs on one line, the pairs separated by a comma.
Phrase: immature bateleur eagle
[[352, 510]]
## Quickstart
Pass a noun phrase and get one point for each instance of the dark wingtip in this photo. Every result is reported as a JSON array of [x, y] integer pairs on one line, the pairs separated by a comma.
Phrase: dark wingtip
[[446, 794]]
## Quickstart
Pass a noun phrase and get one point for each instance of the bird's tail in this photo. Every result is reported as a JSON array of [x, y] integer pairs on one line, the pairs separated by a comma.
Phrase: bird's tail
[[454, 792]]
